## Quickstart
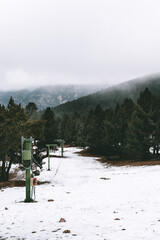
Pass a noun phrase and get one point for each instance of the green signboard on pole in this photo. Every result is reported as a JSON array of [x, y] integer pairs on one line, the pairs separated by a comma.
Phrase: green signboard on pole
[[26, 160]]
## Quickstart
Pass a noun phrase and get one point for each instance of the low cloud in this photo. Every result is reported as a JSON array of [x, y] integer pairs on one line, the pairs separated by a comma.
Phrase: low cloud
[[83, 41]]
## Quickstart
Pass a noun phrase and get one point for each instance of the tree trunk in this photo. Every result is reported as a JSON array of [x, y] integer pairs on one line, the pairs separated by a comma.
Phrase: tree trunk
[[5, 172]]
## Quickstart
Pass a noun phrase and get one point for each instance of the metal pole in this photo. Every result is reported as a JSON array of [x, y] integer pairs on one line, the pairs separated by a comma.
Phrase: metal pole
[[49, 158], [28, 186], [27, 162], [62, 149], [62, 145]]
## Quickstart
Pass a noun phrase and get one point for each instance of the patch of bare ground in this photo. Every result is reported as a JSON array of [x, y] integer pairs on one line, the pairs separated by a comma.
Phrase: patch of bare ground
[[57, 156], [19, 183], [115, 161], [68, 146], [86, 153]]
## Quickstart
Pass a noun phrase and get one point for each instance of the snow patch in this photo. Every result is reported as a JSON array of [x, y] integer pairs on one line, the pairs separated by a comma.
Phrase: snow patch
[[125, 207]]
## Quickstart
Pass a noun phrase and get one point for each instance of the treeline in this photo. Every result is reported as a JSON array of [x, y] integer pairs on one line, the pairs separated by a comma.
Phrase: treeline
[[15, 122], [109, 97], [130, 130]]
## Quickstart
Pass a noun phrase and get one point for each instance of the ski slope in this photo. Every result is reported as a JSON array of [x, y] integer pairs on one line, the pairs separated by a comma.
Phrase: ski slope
[[97, 202]]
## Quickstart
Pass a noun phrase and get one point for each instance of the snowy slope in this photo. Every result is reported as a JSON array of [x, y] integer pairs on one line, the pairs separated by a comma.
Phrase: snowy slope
[[90, 197]]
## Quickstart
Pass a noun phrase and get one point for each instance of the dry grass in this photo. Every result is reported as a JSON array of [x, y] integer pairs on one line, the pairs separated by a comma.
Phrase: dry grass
[[19, 183], [115, 161]]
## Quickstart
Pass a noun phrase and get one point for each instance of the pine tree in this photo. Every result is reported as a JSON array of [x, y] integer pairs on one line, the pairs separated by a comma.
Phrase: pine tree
[[50, 129], [35, 128], [94, 129], [139, 130], [109, 139], [145, 101], [62, 127], [123, 118], [31, 109], [14, 120]]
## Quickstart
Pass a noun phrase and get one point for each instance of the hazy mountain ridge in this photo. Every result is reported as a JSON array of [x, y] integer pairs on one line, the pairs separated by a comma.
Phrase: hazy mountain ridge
[[49, 96], [109, 97]]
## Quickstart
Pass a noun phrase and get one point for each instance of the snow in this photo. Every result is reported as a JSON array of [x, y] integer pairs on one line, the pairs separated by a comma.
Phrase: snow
[[60, 98], [20, 175], [89, 196]]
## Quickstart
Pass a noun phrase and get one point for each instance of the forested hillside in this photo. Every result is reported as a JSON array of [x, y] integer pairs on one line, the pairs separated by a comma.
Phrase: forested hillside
[[129, 130], [111, 96]]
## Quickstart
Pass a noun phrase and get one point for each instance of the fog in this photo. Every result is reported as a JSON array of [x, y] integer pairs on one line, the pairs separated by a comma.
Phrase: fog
[[47, 42]]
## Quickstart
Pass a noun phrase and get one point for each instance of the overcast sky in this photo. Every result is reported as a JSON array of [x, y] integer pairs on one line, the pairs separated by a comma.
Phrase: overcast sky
[[45, 42]]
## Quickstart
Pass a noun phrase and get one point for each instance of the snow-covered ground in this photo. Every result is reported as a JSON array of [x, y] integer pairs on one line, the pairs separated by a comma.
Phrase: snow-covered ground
[[97, 202]]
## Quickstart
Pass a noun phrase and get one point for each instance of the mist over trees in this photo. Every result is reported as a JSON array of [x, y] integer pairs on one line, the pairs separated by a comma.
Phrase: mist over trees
[[129, 130], [109, 97]]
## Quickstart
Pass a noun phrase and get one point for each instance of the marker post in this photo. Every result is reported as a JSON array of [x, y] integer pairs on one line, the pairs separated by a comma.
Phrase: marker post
[[48, 146], [26, 159], [62, 145]]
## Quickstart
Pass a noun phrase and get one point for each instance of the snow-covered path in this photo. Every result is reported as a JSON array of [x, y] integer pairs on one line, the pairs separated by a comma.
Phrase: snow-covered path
[[97, 203]]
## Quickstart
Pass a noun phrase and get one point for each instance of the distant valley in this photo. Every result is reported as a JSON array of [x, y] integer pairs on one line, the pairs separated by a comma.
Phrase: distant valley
[[82, 98], [49, 96]]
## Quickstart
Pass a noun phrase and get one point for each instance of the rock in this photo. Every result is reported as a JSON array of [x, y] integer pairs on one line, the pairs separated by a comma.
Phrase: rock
[[74, 235], [62, 220], [56, 230], [6, 208], [34, 232], [117, 219], [123, 229], [50, 200], [66, 231], [36, 172], [103, 178]]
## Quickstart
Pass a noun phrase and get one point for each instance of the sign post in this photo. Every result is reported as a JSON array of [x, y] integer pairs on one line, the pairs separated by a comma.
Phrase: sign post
[[48, 150], [26, 158], [48, 146], [62, 142], [62, 145]]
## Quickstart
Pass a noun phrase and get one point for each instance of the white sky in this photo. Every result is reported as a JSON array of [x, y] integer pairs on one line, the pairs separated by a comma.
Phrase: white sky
[[46, 42]]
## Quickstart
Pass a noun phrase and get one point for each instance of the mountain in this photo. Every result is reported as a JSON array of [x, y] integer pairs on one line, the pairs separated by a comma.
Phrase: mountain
[[49, 96], [109, 97]]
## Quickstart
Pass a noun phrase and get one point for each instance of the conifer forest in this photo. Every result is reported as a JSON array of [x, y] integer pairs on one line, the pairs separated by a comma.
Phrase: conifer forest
[[131, 130]]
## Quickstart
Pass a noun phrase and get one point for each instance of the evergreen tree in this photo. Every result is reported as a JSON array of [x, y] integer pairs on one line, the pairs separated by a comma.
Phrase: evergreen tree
[[31, 109], [50, 129], [94, 129], [35, 128], [123, 118], [62, 127], [145, 101], [81, 139], [139, 131], [108, 143], [71, 128], [13, 129]]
